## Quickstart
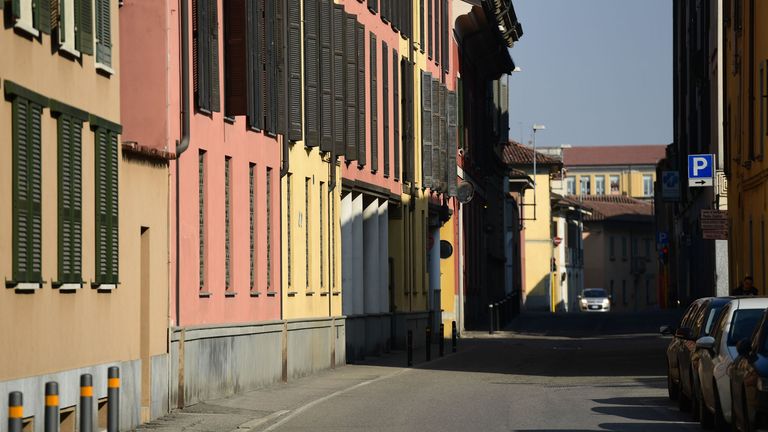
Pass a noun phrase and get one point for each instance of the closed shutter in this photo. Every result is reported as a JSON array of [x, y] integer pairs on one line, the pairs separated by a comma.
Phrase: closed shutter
[[202, 54], [326, 76], [438, 30], [385, 103], [338, 79], [255, 67], [445, 36], [69, 223], [84, 26], [270, 91], [436, 166], [106, 207], [452, 144], [385, 10], [396, 113], [27, 191], [103, 32], [374, 113], [429, 28], [421, 25], [312, 72], [236, 72], [361, 126], [443, 139], [43, 11], [214, 51], [350, 72], [426, 128], [407, 143], [373, 5], [281, 63], [394, 13], [294, 70]]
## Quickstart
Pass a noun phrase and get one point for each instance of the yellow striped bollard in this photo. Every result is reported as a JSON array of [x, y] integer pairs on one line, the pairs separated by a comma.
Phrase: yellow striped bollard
[[113, 399], [15, 411], [86, 403], [51, 406]]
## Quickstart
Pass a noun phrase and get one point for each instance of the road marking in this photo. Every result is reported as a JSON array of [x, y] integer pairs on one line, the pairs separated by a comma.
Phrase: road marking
[[259, 421]]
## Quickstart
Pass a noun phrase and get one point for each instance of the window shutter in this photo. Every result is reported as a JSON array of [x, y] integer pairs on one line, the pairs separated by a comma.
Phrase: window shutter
[[77, 207], [326, 76], [294, 71], [396, 114], [214, 62], [84, 26], [460, 111], [421, 25], [44, 16], [281, 63], [35, 191], [235, 58], [350, 55], [338, 78], [102, 208], [373, 5], [385, 10], [361, 126], [429, 28], [103, 32], [443, 140], [446, 37], [438, 30], [452, 144], [426, 128], [55, 15], [311, 73], [436, 167], [202, 53], [385, 103], [394, 11], [255, 66], [65, 198], [113, 209], [374, 113], [272, 29]]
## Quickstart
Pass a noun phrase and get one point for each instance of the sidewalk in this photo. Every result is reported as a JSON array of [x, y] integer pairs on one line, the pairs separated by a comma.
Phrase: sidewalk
[[263, 409]]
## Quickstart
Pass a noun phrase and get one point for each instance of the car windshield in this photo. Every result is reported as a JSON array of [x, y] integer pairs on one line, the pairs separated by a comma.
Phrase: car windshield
[[594, 293], [743, 324]]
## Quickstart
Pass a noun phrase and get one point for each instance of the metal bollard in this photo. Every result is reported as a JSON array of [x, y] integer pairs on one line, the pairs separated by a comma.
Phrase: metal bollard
[[429, 343], [86, 403], [498, 312], [441, 341], [453, 336], [490, 318], [51, 406], [113, 399], [15, 411], [409, 347]]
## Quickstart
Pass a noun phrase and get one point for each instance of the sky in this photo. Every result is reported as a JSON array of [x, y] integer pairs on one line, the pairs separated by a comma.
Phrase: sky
[[594, 72]]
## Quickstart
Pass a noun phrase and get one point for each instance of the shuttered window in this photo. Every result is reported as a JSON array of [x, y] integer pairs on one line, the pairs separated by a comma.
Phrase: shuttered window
[[350, 81], [326, 76], [435, 134], [255, 72], [407, 108], [235, 58], [429, 29], [374, 112], [338, 79], [27, 173], [205, 50], [443, 139], [312, 72], [426, 128], [272, 68], [361, 126], [69, 132], [103, 32], [421, 25], [84, 26], [289, 227], [293, 61], [307, 230], [396, 113], [30, 15], [227, 223], [452, 143], [385, 104], [445, 36], [385, 5], [106, 205], [269, 203], [252, 224], [438, 15], [373, 5]]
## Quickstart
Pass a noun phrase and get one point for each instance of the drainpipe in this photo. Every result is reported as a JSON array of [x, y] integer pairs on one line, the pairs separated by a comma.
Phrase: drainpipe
[[284, 162], [181, 146]]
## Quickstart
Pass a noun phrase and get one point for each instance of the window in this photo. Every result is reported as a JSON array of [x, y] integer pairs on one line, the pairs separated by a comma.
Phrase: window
[[103, 34], [205, 47], [374, 113], [585, 186], [289, 228], [321, 202], [429, 29], [69, 128], [227, 223], [385, 102], [396, 107], [236, 57], [421, 26], [106, 204], [68, 37], [600, 185], [252, 223], [570, 185], [350, 87], [268, 193], [307, 245], [624, 248], [361, 126], [312, 72], [332, 235], [201, 173], [427, 139], [615, 185], [27, 175], [612, 248], [32, 16], [647, 185]]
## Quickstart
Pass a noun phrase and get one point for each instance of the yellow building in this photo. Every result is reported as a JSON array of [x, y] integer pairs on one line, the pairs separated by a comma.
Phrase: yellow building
[[84, 251], [610, 170], [746, 48]]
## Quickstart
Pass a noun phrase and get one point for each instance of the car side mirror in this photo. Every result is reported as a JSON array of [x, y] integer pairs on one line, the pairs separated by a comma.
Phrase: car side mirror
[[683, 333], [579, 297], [706, 342], [666, 330], [744, 347]]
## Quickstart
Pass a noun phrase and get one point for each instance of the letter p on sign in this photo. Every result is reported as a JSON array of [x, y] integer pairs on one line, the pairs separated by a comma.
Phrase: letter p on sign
[[700, 169]]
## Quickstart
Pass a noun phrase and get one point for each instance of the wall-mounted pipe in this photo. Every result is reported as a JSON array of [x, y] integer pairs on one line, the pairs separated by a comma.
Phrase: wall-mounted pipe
[[183, 144]]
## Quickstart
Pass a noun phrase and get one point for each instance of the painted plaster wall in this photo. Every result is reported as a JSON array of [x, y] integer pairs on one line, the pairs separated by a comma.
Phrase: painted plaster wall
[[538, 244]]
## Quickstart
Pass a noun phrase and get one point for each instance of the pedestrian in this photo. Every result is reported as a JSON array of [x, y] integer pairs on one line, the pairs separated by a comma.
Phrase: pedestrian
[[746, 288]]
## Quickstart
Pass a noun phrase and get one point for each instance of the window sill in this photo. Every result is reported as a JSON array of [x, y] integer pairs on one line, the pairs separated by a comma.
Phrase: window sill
[[230, 294], [69, 52], [24, 287], [337, 293], [100, 67], [67, 286], [229, 119], [310, 293], [255, 294], [292, 293], [26, 28], [204, 294], [104, 287], [324, 294], [271, 293]]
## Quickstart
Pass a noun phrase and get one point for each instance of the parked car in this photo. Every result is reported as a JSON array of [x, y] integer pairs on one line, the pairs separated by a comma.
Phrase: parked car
[[697, 322], [717, 352], [594, 300], [749, 380]]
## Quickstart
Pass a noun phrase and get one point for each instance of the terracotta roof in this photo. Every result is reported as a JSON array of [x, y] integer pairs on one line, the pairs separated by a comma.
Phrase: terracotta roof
[[616, 208], [614, 155], [570, 201], [517, 154]]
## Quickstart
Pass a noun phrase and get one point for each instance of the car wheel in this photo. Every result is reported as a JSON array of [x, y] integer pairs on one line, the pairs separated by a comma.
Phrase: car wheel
[[672, 388], [719, 421]]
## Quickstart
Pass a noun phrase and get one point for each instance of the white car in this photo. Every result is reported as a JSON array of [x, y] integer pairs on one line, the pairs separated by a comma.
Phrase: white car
[[716, 353], [594, 300]]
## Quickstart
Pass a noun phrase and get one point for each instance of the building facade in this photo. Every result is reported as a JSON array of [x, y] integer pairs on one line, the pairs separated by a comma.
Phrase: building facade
[[85, 246]]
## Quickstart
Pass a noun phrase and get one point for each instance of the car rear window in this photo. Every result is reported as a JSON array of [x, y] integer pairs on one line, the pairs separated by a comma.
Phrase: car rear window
[[594, 293], [743, 324]]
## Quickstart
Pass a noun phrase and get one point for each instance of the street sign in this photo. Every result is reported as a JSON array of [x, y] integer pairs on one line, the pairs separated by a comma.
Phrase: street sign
[[714, 214], [714, 224], [670, 185], [701, 170], [662, 238], [715, 235]]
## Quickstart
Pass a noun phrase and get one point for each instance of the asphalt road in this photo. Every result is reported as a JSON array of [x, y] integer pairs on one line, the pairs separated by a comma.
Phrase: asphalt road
[[581, 372]]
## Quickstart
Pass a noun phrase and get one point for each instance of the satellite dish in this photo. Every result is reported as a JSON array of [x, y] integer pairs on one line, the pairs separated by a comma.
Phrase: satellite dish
[[465, 191]]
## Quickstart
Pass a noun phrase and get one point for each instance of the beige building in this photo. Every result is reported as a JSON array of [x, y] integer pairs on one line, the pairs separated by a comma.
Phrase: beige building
[[84, 252]]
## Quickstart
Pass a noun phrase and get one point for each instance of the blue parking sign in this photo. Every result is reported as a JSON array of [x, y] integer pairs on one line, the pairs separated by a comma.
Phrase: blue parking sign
[[700, 170]]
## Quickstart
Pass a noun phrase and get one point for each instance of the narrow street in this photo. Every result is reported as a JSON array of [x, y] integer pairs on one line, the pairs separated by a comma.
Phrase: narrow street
[[579, 372]]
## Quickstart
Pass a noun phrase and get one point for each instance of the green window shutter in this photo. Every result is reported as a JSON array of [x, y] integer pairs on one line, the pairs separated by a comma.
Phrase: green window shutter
[[255, 69], [452, 144], [294, 57], [35, 192], [396, 114], [361, 127], [113, 209], [106, 207], [338, 78], [374, 111], [311, 72], [281, 64], [43, 15], [16, 9], [84, 26], [103, 32], [76, 211], [436, 176], [326, 77], [350, 97], [385, 103], [214, 52], [201, 53], [271, 32], [65, 198]]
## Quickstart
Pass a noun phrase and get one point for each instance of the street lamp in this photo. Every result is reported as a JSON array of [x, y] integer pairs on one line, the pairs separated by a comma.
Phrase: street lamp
[[536, 127]]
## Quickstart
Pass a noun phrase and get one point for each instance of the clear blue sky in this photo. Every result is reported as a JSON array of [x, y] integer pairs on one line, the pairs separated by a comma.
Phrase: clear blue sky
[[595, 72]]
